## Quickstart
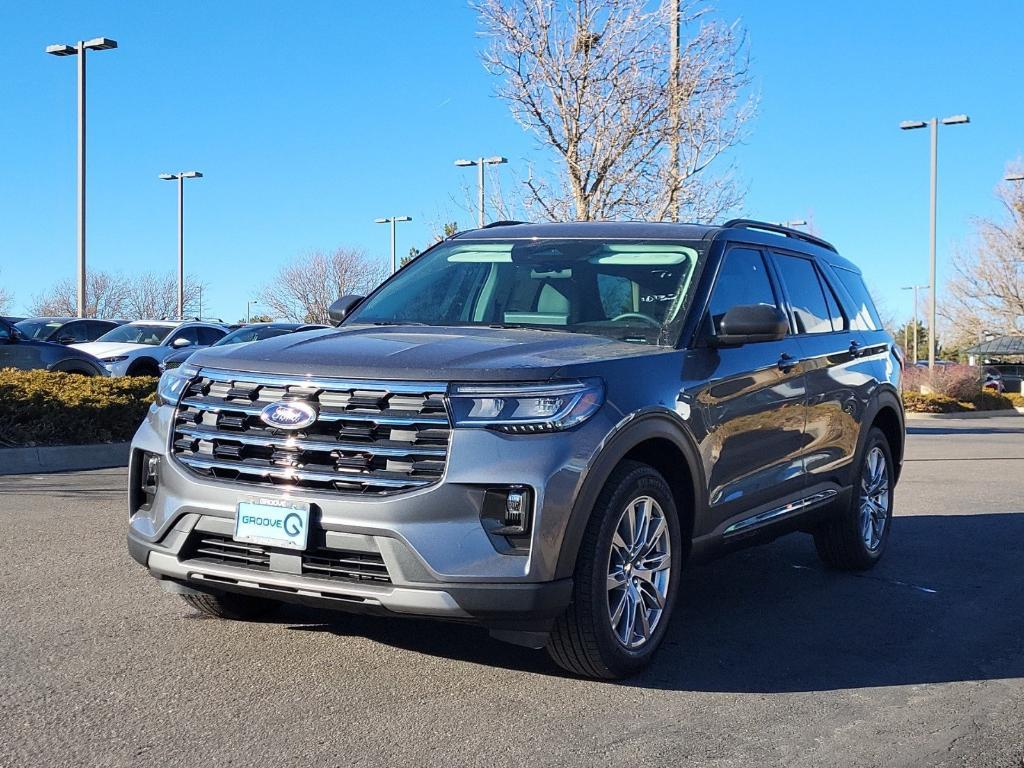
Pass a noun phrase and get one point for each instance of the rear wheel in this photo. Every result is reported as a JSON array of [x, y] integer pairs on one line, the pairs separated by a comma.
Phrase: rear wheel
[[626, 578], [856, 539], [227, 605]]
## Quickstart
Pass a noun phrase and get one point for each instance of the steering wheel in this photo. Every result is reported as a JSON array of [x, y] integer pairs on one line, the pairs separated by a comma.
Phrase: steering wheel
[[636, 316]]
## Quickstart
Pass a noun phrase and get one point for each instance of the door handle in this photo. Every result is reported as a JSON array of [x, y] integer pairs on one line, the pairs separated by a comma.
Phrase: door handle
[[856, 349], [786, 362]]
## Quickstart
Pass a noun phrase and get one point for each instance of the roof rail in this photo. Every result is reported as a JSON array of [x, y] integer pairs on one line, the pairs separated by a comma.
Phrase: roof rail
[[503, 223], [779, 230]]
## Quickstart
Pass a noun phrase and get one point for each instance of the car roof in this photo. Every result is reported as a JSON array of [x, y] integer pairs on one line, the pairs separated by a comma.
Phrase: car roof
[[742, 230]]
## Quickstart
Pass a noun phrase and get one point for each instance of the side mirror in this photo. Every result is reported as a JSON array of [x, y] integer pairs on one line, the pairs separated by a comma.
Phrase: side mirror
[[181, 343], [65, 340], [343, 307], [749, 323]]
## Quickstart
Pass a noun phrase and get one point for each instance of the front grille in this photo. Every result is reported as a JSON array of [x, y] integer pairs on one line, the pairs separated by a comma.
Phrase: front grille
[[368, 438], [324, 563]]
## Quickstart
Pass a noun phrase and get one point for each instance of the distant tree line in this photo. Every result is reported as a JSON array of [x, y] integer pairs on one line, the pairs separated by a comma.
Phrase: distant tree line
[[147, 296]]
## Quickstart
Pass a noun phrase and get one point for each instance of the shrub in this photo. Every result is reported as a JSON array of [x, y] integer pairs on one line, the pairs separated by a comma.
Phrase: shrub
[[917, 402], [42, 408], [960, 382], [991, 401], [1015, 398]]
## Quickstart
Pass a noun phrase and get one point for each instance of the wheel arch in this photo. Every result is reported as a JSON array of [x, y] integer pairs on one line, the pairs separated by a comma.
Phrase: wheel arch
[[656, 439], [142, 363], [886, 413]]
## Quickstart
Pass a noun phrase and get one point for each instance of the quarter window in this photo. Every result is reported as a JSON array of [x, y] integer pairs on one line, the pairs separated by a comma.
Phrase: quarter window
[[864, 316], [742, 280], [806, 297]]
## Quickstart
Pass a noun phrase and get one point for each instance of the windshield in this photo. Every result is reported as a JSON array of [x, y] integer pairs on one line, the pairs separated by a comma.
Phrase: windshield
[[252, 334], [630, 291], [138, 334], [38, 329]]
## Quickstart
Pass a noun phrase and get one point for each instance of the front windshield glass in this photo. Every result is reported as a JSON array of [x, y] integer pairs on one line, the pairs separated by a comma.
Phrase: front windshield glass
[[38, 329], [629, 291], [137, 334], [243, 335]]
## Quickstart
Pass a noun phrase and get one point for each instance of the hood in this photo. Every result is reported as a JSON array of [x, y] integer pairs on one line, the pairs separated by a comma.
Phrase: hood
[[110, 348], [423, 353]]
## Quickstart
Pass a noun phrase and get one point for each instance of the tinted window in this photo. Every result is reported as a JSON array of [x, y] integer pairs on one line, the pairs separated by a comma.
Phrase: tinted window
[[78, 332], [208, 336], [5, 332], [253, 333], [834, 310], [742, 279], [38, 329], [97, 328], [863, 315], [806, 296], [191, 333]]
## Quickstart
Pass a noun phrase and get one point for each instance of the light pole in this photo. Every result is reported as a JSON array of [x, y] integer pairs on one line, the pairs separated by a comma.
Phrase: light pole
[[248, 311], [392, 220], [180, 178], [480, 162], [79, 49], [915, 288], [909, 125]]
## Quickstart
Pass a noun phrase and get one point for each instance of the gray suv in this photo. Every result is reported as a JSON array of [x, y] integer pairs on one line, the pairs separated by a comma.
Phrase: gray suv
[[533, 427]]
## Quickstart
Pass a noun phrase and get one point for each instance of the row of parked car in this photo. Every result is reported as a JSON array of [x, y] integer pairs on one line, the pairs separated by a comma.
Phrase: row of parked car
[[93, 347]]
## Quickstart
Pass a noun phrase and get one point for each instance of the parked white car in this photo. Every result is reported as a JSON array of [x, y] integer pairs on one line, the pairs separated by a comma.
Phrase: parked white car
[[137, 349]]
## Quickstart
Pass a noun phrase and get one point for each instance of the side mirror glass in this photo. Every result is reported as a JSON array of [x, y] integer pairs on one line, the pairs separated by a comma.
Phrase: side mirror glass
[[181, 343], [65, 340], [343, 307], [749, 323]]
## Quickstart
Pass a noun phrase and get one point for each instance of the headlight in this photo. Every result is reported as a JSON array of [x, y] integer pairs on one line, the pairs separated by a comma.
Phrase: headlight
[[526, 408], [115, 359], [173, 383]]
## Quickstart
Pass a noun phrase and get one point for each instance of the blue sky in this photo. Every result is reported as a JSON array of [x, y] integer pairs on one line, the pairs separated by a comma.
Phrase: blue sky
[[310, 119]]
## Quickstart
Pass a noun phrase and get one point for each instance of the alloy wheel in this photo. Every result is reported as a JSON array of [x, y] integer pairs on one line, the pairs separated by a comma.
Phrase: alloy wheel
[[874, 498], [639, 568]]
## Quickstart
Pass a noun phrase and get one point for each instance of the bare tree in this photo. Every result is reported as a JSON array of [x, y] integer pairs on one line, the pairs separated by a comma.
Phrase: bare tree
[[105, 294], [143, 297], [591, 80], [6, 300], [304, 290], [986, 292], [151, 296]]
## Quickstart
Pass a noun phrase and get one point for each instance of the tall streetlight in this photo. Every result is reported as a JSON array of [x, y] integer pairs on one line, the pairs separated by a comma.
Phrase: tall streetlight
[[915, 289], [248, 310], [392, 220], [480, 162], [180, 178], [793, 224], [79, 49], [909, 125]]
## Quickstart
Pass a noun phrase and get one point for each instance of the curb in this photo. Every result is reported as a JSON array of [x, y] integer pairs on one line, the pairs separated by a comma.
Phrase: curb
[[62, 458], [965, 415]]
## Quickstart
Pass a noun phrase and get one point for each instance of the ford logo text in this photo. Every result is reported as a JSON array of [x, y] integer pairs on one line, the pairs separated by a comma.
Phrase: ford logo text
[[288, 415]]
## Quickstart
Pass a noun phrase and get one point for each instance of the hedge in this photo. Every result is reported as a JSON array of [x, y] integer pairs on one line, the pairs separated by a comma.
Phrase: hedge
[[42, 408], [917, 402]]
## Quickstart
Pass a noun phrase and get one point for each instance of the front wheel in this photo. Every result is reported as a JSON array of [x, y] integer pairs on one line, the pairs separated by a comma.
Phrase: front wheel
[[228, 605], [856, 538], [626, 579]]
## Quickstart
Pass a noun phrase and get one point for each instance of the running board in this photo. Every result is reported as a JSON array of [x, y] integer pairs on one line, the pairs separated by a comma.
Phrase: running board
[[779, 512]]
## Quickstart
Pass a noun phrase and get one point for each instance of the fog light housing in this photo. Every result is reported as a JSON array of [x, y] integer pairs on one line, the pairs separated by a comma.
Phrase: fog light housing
[[149, 478], [507, 516]]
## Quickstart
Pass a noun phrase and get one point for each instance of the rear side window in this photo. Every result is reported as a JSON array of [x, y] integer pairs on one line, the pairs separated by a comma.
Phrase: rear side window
[[742, 279], [208, 336], [806, 296], [864, 316], [78, 332]]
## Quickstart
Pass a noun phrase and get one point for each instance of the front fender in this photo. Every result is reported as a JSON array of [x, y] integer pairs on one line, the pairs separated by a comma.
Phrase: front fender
[[629, 434]]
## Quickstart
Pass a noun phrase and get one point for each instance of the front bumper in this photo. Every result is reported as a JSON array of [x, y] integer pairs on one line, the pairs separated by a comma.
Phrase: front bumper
[[440, 560]]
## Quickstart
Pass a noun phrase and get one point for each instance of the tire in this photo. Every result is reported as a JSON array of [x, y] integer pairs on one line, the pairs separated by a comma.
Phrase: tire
[[144, 368], [79, 371], [843, 542], [584, 641], [227, 605]]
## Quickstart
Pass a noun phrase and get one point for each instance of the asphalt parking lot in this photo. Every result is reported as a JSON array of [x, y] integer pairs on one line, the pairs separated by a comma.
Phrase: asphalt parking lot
[[770, 661]]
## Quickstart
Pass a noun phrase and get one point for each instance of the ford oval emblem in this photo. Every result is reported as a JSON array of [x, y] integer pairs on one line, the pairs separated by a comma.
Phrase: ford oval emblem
[[288, 414]]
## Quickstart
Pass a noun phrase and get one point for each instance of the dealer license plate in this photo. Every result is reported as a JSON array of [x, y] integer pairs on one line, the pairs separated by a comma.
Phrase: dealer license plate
[[272, 522]]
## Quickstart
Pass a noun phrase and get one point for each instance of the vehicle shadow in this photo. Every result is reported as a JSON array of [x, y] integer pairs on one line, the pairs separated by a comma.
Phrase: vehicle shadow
[[914, 430], [944, 605]]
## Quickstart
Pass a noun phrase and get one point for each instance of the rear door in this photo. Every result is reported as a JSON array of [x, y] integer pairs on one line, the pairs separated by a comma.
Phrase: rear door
[[829, 349], [751, 401], [17, 351]]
